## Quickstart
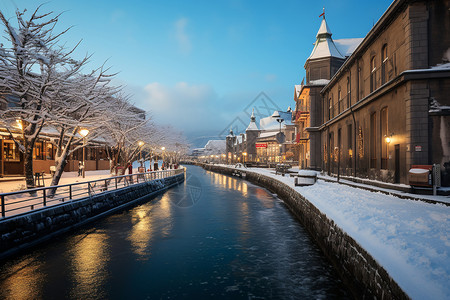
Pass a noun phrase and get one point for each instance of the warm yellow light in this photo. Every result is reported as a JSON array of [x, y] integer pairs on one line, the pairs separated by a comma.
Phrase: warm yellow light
[[83, 132], [387, 139], [141, 143], [19, 124], [212, 155], [223, 155], [163, 148], [244, 153]]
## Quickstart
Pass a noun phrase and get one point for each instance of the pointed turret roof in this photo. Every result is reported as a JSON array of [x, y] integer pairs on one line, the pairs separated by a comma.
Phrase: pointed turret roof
[[252, 125], [324, 45]]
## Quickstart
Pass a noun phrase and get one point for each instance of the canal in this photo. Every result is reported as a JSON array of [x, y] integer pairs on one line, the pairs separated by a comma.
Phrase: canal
[[213, 236]]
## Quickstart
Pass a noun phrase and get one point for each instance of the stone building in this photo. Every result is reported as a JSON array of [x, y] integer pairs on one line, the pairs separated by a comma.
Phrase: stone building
[[385, 107], [273, 141]]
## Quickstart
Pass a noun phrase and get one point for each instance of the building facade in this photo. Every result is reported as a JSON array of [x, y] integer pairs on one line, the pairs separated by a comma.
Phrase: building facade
[[386, 108], [272, 142]]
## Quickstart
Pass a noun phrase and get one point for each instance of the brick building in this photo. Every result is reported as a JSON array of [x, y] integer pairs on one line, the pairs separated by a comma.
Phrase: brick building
[[385, 107]]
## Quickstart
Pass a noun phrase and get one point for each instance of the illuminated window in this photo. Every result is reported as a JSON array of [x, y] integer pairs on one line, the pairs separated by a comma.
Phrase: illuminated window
[[10, 151], [38, 151]]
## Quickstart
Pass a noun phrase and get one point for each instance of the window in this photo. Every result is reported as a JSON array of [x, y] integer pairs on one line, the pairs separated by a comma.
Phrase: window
[[348, 93], [38, 151], [373, 69], [383, 135], [50, 154], [10, 151], [339, 101], [384, 59], [329, 108], [373, 140], [350, 143]]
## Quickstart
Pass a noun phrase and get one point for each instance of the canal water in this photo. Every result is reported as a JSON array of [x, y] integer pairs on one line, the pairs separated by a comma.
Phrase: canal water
[[213, 236]]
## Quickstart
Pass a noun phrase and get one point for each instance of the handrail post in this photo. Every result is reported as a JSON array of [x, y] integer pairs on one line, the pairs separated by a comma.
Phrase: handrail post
[[106, 184], [45, 198], [3, 206], [70, 192], [116, 181]]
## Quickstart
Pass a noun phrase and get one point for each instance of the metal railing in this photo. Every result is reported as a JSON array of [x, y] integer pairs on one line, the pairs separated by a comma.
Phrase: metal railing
[[14, 203]]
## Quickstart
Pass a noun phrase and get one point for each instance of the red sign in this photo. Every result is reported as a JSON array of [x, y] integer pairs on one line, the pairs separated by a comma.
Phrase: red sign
[[261, 145]]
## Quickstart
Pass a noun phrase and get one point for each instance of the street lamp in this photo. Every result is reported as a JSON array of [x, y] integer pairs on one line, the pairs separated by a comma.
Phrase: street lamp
[[84, 133], [140, 144], [163, 148], [243, 158], [276, 116]]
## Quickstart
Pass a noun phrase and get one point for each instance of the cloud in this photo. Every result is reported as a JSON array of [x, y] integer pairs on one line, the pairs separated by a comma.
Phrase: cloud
[[184, 42], [186, 107]]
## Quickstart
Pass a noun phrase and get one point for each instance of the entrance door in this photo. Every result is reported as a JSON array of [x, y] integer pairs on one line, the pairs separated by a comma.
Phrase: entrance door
[[397, 164]]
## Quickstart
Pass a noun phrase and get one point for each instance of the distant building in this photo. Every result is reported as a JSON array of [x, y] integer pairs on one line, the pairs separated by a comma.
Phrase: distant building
[[384, 108], [273, 141]]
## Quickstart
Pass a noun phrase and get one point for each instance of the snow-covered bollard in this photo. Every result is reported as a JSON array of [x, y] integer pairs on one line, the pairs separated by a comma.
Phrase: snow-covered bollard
[[305, 177]]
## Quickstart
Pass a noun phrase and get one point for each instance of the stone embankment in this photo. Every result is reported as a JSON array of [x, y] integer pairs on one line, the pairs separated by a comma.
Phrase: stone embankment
[[23, 231], [357, 268]]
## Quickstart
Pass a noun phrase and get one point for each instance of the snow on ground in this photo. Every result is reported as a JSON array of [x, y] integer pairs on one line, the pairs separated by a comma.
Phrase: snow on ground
[[410, 239], [66, 178]]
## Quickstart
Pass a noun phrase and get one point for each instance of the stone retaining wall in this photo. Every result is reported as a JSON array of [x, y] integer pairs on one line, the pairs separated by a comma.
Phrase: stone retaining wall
[[27, 230], [357, 268]]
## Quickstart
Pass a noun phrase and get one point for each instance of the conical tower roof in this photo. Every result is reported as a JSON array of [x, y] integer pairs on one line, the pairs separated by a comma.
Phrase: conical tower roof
[[324, 45], [252, 125]]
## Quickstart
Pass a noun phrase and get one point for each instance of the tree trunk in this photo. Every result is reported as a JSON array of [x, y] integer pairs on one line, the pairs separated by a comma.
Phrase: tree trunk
[[28, 161]]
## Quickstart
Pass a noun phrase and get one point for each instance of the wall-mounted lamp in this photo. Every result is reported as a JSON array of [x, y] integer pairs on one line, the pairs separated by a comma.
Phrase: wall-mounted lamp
[[388, 138]]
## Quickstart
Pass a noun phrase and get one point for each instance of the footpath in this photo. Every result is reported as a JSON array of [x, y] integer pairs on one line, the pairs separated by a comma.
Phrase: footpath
[[409, 238]]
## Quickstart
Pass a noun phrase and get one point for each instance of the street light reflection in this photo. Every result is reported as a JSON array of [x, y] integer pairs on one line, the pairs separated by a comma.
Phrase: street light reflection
[[89, 257]]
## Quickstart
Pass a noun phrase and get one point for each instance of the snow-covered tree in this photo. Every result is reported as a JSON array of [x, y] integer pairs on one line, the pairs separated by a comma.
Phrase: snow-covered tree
[[35, 72]]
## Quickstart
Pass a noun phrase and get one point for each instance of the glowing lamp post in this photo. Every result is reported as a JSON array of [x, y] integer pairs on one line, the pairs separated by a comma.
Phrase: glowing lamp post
[[84, 133], [244, 155], [140, 144], [163, 149]]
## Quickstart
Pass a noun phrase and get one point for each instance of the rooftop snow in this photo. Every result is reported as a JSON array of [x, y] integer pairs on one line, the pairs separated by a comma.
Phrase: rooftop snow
[[347, 46]]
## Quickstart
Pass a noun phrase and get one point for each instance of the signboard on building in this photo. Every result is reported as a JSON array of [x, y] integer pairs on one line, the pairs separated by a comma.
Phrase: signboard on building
[[261, 145]]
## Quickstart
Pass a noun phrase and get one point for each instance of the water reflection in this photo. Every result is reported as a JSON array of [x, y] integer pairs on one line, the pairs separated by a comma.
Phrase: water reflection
[[88, 258], [23, 280], [142, 232]]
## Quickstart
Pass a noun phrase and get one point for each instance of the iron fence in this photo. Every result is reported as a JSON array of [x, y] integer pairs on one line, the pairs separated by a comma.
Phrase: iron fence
[[14, 203]]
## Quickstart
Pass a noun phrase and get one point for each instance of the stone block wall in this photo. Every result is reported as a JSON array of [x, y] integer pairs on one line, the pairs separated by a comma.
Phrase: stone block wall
[[357, 268], [20, 232]]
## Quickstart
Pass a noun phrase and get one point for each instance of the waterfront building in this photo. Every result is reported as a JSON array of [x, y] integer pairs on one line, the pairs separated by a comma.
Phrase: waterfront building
[[272, 142], [385, 107]]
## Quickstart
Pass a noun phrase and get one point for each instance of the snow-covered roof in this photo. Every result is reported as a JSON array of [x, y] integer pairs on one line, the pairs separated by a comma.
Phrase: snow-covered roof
[[270, 123], [298, 90], [268, 134], [252, 125], [323, 29], [319, 82], [324, 46], [347, 46], [215, 146]]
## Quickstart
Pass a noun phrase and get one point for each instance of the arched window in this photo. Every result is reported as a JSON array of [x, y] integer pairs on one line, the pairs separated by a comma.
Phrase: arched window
[[384, 58], [373, 69]]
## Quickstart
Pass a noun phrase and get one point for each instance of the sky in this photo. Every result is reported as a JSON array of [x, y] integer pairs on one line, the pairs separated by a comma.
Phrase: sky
[[201, 66]]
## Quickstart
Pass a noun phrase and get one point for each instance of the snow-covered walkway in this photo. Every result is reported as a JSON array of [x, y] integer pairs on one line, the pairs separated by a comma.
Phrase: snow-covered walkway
[[410, 239]]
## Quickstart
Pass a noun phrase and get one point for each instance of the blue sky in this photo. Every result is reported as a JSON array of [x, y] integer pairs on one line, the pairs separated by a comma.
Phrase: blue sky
[[198, 64]]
